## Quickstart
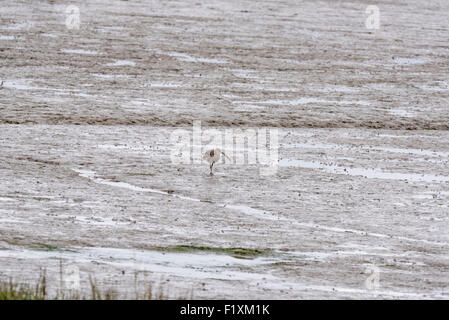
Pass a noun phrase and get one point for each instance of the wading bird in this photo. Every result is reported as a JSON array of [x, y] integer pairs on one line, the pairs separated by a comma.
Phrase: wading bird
[[212, 156]]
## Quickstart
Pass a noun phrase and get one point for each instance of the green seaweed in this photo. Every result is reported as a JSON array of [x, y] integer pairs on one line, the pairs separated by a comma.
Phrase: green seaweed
[[240, 253]]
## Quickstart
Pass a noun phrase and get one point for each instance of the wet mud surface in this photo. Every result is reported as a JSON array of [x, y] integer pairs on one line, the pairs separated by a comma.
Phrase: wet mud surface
[[362, 182]]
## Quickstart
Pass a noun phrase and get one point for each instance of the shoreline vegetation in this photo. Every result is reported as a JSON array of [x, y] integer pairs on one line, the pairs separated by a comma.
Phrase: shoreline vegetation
[[41, 290]]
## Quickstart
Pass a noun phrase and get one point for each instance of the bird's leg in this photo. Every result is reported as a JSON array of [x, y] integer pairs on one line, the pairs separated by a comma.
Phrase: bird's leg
[[212, 164]]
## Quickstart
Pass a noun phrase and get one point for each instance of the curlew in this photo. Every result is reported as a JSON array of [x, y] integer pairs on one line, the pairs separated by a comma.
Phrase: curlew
[[212, 156]]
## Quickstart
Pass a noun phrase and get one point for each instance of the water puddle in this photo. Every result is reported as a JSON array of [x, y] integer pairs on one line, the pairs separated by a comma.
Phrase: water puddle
[[166, 85], [79, 51], [402, 113], [245, 73], [302, 101], [436, 86], [109, 76], [188, 58], [25, 84], [255, 87], [48, 35], [376, 292], [6, 199], [121, 63], [17, 26], [410, 61], [363, 172]]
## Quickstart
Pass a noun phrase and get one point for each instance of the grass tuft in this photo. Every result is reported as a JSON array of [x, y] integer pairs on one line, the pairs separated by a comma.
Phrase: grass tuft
[[11, 290]]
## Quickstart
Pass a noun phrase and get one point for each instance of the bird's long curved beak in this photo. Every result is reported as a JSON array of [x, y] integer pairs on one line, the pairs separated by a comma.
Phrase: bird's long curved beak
[[226, 156]]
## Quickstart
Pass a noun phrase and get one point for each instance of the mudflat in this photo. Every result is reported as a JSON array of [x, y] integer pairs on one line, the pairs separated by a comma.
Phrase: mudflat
[[358, 206]]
